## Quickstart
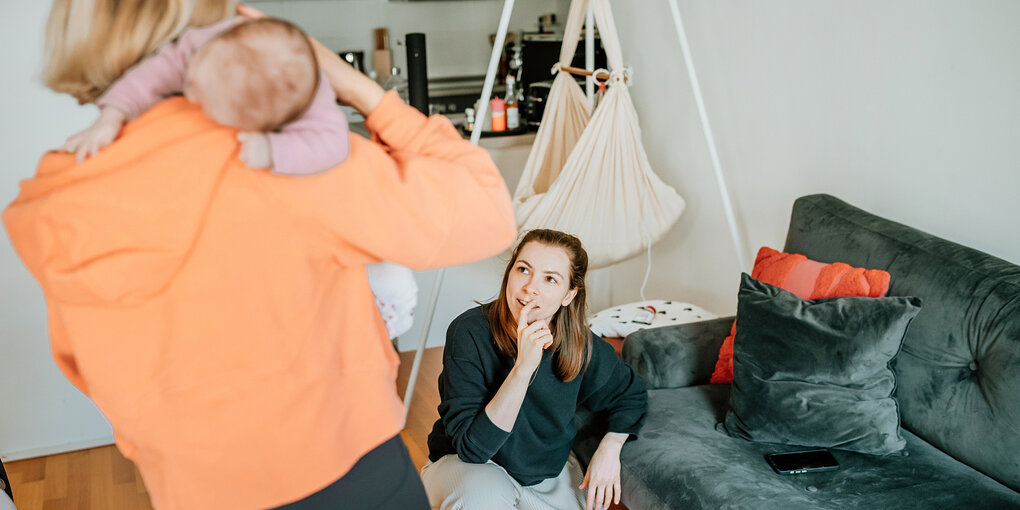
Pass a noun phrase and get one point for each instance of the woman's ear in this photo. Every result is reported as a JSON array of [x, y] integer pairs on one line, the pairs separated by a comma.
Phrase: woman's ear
[[570, 296]]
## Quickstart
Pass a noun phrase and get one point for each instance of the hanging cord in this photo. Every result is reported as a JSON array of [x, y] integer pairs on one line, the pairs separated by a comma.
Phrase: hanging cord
[[648, 267], [623, 76]]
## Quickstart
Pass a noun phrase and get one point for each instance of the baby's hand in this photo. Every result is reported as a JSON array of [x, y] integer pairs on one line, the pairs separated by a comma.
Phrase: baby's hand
[[255, 149], [102, 132]]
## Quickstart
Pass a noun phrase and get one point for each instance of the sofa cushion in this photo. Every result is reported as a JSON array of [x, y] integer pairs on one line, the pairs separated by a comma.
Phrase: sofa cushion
[[958, 373], [676, 356], [816, 373], [681, 460], [807, 279]]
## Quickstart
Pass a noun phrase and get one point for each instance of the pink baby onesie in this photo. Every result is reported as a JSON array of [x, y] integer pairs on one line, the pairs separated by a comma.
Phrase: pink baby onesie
[[316, 141]]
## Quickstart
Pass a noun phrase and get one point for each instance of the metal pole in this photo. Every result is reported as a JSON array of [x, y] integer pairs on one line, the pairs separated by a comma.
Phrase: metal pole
[[589, 55], [430, 312], [738, 241], [490, 75], [476, 134]]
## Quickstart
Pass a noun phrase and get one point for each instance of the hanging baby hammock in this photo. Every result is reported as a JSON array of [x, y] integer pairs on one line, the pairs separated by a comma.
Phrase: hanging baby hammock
[[591, 177]]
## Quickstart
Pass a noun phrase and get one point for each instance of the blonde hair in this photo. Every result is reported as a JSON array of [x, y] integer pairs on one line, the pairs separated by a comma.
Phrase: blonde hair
[[571, 345], [262, 73], [90, 43]]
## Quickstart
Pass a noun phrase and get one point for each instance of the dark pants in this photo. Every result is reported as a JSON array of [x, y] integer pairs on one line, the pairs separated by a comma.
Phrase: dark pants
[[384, 478], [5, 484]]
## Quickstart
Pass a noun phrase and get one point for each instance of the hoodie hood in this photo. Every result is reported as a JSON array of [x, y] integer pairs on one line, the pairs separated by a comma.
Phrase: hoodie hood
[[116, 229]]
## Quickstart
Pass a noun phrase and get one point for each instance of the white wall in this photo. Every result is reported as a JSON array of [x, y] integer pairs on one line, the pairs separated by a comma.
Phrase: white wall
[[40, 412], [908, 109]]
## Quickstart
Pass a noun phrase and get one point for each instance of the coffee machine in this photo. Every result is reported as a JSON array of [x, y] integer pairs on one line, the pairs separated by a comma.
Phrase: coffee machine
[[539, 52]]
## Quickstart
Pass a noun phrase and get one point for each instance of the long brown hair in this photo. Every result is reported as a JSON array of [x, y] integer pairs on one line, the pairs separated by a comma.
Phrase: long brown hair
[[90, 43], [571, 345]]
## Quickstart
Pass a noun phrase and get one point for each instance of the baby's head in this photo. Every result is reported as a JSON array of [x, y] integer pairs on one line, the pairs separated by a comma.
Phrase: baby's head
[[257, 76]]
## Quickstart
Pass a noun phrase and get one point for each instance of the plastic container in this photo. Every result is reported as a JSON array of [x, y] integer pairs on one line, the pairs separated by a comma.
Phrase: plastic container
[[498, 114]]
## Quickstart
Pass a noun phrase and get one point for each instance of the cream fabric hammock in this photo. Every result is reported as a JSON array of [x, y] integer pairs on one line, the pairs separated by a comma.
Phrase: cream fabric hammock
[[591, 177]]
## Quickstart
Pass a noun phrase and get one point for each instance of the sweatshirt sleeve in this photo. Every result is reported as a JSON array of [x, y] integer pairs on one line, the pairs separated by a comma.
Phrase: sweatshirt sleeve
[[160, 75], [316, 141], [463, 395], [148, 82], [420, 196], [612, 386]]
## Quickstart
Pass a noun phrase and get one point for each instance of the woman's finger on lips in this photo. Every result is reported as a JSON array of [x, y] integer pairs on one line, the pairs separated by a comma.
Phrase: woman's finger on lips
[[522, 319]]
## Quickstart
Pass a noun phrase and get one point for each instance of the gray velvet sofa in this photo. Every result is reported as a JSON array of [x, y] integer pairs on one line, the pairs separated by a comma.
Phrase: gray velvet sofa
[[957, 376]]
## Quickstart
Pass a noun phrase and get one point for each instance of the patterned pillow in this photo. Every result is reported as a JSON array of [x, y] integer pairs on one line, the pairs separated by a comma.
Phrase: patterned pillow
[[806, 279]]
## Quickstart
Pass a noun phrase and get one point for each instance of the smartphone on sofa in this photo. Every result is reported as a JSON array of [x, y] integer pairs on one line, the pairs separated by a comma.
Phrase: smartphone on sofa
[[805, 461]]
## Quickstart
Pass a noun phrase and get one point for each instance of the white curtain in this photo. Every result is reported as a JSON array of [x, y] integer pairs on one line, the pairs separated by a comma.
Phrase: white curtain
[[590, 176]]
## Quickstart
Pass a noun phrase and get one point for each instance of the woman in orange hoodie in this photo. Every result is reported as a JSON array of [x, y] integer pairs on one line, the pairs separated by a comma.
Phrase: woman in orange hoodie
[[222, 318]]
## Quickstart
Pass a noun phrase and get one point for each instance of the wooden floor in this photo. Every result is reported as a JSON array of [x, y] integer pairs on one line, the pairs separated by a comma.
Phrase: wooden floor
[[102, 479]]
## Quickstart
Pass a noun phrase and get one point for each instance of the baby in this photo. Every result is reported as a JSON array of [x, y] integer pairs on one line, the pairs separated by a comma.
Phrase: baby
[[261, 77]]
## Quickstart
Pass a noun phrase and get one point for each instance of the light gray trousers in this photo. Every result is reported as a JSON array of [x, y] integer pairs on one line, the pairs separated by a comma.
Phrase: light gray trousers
[[452, 484]]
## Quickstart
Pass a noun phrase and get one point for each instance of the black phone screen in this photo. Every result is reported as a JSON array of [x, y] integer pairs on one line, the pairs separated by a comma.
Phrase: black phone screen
[[811, 460]]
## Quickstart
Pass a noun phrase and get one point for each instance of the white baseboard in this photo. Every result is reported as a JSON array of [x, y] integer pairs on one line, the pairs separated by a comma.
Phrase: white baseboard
[[54, 449]]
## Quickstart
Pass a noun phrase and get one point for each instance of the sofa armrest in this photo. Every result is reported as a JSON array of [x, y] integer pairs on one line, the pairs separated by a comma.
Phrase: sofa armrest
[[676, 356]]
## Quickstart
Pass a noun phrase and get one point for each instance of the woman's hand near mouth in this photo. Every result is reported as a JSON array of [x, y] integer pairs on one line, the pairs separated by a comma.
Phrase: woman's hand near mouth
[[532, 339]]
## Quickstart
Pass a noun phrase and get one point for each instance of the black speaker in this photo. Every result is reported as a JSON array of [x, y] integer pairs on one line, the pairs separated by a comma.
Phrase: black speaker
[[417, 73]]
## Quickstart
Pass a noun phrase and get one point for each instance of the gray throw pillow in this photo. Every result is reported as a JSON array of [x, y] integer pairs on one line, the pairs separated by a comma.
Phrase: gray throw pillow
[[816, 373]]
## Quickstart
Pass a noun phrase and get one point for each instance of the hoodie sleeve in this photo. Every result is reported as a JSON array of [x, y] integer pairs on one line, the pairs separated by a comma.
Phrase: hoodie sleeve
[[420, 196], [160, 75], [464, 395], [612, 386]]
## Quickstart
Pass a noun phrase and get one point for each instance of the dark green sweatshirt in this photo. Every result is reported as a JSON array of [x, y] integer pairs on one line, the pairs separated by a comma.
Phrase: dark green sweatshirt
[[538, 446]]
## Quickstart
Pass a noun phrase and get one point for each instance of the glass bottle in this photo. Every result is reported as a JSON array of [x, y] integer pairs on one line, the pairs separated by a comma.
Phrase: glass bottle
[[513, 116], [397, 82]]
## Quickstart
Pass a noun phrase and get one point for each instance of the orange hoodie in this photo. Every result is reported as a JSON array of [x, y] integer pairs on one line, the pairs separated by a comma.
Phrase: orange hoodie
[[221, 317]]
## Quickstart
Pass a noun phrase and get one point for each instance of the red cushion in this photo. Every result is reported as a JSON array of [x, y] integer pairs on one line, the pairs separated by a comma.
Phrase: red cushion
[[617, 343], [806, 279]]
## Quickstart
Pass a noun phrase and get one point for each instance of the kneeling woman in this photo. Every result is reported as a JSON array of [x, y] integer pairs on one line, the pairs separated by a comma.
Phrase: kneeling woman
[[515, 371]]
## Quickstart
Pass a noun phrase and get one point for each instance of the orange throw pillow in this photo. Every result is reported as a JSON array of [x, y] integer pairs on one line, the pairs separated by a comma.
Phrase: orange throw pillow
[[806, 279]]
